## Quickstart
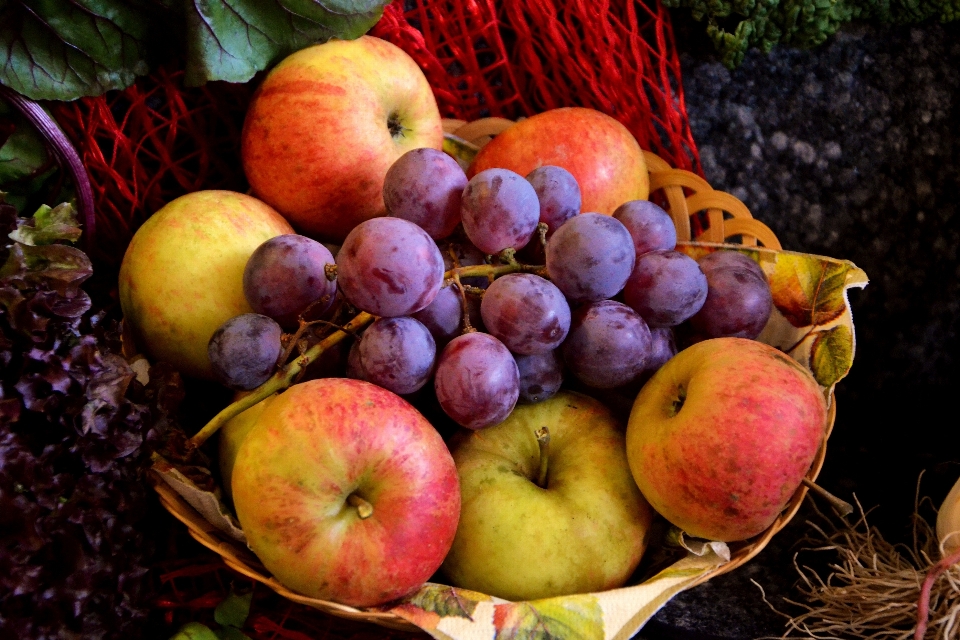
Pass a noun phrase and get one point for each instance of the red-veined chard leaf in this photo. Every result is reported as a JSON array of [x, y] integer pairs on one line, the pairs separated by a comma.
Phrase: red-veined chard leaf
[[66, 49], [233, 39]]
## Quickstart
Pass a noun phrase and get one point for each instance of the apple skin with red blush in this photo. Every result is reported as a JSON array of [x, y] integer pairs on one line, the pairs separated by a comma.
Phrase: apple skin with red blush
[[721, 437], [346, 492]]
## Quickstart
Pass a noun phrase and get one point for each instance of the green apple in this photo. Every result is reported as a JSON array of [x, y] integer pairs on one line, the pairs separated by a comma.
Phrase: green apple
[[540, 521], [231, 435], [182, 274]]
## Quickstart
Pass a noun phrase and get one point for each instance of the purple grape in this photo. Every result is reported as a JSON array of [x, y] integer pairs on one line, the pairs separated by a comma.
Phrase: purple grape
[[609, 344], [244, 351], [285, 275], [541, 375], [665, 288], [389, 267], [466, 255], [651, 227], [397, 354], [590, 257], [663, 346], [477, 380], [725, 259], [500, 210], [559, 195], [443, 317], [354, 366], [526, 312], [738, 303], [425, 186]]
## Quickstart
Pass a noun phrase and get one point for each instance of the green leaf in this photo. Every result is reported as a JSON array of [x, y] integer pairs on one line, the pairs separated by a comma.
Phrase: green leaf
[[234, 609], [831, 355], [66, 49], [233, 39], [194, 631], [49, 226], [24, 154], [27, 167], [568, 618]]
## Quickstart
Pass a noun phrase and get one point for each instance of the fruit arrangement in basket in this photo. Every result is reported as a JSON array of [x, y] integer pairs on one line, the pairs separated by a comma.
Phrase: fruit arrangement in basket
[[464, 362]]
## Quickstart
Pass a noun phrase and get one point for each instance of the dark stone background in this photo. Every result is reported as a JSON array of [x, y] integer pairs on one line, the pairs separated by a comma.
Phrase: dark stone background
[[850, 150]]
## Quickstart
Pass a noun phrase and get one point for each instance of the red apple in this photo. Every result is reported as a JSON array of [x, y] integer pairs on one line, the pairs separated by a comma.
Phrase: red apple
[[327, 123], [720, 438], [346, 493], [600, 152]]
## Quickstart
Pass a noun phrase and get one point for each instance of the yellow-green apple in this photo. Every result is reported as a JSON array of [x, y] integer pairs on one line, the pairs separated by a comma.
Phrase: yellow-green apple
[[182, 274], [231, 435], [346, 493], [327, 123], [600, 152], [545, 521], [721, 436]]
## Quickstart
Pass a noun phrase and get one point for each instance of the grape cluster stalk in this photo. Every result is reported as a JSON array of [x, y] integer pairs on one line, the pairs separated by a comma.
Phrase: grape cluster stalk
[[289, 373]]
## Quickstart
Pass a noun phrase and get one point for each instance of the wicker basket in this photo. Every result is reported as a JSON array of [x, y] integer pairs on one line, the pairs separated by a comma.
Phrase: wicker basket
[[693, 204]]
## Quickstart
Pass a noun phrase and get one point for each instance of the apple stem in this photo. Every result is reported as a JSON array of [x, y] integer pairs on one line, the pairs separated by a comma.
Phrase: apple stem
[[543, 441], [842, 507], [364, 508]]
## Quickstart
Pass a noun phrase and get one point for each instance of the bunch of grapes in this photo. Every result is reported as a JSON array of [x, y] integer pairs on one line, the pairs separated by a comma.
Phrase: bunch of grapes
[[453, 308]]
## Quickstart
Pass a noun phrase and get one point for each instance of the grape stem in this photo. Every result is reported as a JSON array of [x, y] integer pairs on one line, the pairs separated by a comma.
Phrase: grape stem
[[543, 442], [467, 327], [287, 375], [281, 379]]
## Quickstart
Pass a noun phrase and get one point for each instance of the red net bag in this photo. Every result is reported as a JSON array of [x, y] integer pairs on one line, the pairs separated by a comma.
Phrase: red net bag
[[157, 140]]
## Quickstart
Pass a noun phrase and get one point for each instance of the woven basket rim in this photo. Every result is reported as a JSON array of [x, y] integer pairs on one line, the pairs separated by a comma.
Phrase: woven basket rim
[[686, 195]]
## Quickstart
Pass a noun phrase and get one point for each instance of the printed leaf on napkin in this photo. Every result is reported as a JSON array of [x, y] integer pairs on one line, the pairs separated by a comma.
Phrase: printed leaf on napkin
[[831, 355], [432, 602], [808, 292], [570, 618], [811, 319]]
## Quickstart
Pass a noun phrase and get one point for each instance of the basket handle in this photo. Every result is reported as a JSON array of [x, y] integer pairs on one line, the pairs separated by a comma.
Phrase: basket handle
[[66, 155]]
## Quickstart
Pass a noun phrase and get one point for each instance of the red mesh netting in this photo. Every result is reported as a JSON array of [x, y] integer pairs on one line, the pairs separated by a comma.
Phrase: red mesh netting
[[157, 140]]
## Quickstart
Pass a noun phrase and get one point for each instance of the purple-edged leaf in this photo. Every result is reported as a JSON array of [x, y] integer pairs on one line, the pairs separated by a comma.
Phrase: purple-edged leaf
[[67, 49], [233, 39], [63, 268]]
